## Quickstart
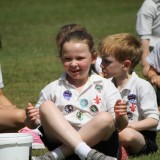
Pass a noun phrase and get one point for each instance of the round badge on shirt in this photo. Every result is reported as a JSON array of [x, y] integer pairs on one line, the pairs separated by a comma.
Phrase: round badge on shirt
[[67, 95]]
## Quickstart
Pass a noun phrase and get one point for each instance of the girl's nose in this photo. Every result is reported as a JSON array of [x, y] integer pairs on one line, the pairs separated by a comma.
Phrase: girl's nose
[[73, 63]]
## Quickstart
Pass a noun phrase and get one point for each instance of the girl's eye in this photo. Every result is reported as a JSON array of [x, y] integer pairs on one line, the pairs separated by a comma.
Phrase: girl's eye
[[80, 58], [67, 59]]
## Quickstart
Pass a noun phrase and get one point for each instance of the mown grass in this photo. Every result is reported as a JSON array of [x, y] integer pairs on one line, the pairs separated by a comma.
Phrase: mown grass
[[28, 28]]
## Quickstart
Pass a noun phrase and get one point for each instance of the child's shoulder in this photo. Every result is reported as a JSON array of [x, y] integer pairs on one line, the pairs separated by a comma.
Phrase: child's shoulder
[[140, 82], [96, 77]]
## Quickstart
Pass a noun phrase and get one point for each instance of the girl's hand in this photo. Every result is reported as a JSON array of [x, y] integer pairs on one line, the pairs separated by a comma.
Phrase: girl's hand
[[32, 116]]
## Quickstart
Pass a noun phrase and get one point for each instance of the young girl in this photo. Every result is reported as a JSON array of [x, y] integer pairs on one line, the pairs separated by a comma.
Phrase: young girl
[[80, 109]]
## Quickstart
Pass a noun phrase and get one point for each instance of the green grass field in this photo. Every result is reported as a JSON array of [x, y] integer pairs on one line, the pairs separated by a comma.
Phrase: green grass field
[[28, 28]]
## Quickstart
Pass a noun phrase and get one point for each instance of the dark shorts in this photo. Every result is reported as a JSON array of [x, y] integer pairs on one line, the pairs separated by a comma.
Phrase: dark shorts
[[151, 145], [110, 147], [158, 95]]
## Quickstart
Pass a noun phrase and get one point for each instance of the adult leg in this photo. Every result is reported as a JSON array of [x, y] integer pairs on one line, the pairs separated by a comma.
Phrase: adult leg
[[11, 120]]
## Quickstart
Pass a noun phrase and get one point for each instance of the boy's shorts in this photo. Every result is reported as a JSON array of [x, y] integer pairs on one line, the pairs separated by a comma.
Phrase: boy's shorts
[[151, 145], [110, 147]]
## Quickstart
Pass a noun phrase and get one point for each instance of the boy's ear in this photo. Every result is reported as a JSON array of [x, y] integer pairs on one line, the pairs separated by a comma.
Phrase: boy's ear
[[127, 64]]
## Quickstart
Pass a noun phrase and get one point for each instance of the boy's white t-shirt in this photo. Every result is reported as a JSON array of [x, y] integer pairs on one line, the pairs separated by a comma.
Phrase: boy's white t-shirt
[[98, 65], [154, 58], [98, 94], [1, 80], [148, 21], [141, 97]]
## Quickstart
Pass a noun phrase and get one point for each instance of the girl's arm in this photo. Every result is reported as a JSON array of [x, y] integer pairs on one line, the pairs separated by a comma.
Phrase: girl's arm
[[32, 117]]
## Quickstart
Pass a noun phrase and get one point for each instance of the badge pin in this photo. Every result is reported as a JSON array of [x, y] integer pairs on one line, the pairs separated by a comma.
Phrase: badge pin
[[98, 87], [93, 109], [79, 115], [130, 116], [68, 108], [84, 103], [132, 98], [67, 95]]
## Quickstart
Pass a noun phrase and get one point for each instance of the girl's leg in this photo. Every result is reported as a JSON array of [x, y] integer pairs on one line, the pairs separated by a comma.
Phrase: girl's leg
[[56, 125], [99, 128]]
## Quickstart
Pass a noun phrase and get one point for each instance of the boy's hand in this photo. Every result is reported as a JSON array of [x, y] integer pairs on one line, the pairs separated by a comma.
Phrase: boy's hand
[[120, 108], [32, 116], [121, 118]]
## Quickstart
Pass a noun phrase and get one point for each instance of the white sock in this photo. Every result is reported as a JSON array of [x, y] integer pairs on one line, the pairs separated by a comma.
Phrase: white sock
[[82, 150], [57, 153], [37, 131]]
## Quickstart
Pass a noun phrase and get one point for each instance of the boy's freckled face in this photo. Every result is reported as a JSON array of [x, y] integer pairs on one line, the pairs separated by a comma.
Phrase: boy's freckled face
[[111, 67]]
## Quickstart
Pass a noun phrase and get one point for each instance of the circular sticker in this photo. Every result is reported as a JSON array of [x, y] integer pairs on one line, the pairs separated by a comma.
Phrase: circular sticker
[[67, 95], [79, 115], [130, 116], [132, 98], [84, 103], [68, 108], [94, 109], [98, 87]]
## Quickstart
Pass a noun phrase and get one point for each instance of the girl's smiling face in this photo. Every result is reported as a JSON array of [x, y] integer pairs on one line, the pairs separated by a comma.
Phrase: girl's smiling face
[[77, 60]]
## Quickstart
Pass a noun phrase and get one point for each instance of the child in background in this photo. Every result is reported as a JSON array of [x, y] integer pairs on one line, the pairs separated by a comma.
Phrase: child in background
[[120, 54], [71, 107], [153, 74], [148, 28]]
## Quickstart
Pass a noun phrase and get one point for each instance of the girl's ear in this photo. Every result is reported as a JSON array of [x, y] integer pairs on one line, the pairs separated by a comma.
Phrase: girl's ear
[[127, 64], [94, 57]]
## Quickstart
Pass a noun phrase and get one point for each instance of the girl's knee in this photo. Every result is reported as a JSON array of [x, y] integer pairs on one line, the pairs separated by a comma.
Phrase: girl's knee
[[105, 119], [47, 108], [46, 104]]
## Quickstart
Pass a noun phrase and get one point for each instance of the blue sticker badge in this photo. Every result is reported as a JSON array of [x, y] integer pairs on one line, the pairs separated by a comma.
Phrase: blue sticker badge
[[132, 98], [67, 95], [84, 103]]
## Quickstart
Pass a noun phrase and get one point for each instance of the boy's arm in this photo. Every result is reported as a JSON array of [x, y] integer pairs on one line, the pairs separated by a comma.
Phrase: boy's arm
[[121, 118], [145, 124]]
